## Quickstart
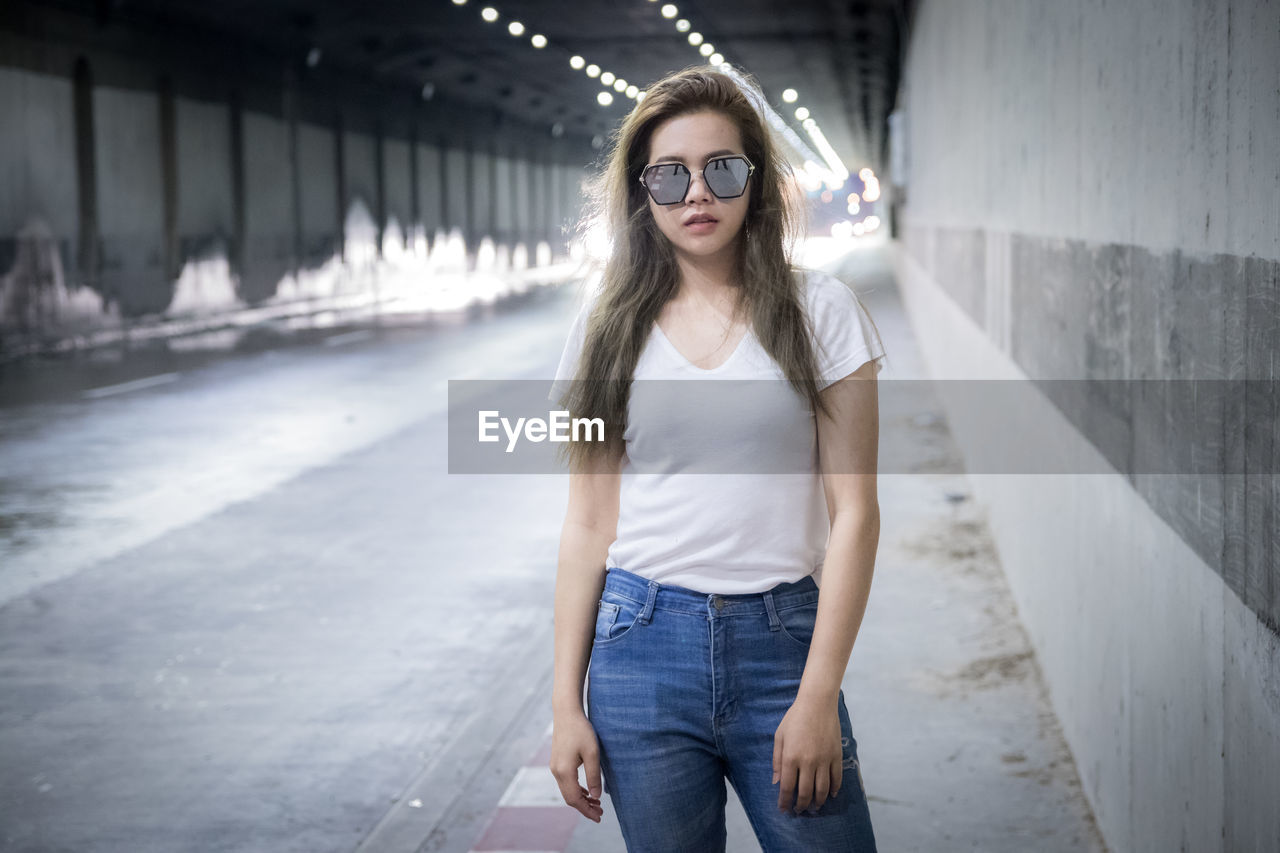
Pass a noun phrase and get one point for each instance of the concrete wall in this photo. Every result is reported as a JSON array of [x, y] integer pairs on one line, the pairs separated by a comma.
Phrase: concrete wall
[[1148, 123], [268, 251], [361, 168], [504, 176], [430, 192], [204, 175], [37, 154], [396, 183], [520, 200], [131, 163], [319, 193], [1093, 191], [483, 192], [130, 199]]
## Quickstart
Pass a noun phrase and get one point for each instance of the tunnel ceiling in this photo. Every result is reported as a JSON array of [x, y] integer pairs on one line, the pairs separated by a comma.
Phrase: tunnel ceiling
[[841, 57]]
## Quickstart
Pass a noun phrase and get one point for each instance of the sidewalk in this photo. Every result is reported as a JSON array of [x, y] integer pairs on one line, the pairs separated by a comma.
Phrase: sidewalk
[[959, 746]]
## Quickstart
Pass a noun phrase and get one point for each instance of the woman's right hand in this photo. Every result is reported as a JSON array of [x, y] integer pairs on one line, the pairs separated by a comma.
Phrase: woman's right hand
[[573, 742]]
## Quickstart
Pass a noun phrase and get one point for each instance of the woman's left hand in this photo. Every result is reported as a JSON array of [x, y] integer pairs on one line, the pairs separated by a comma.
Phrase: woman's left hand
[[807, 754]]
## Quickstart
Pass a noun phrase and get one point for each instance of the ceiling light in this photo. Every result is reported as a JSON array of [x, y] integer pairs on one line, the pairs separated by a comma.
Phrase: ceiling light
[[515, 28], [707, 49], [489, 13], [802, 113], [639, 97], [593, 70], [716, 59], [539, 40], [620, 85], [632, 91], [607, 78], [459, 2], [683, 25], [695, 39], [789, 95], [810, 124], [576, 63], [605, 99], [669, 11]]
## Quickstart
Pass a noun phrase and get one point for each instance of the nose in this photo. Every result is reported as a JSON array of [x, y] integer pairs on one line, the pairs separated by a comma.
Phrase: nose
[[698, 190]]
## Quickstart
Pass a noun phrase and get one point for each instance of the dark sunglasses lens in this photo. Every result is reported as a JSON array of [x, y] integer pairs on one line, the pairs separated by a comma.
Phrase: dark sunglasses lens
[[667, 182], [727, 176]]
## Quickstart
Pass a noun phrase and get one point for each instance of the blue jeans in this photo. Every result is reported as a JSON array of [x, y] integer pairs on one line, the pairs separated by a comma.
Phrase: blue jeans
[[687, 688]]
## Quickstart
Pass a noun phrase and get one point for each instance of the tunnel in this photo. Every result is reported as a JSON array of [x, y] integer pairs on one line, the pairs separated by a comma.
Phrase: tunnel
[[262, 266]]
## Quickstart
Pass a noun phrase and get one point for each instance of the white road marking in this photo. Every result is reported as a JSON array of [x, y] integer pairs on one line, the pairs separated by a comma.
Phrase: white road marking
[[136, 384], [348, 338]]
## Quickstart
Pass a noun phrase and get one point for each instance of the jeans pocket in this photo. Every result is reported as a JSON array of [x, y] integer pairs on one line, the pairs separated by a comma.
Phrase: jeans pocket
[[615, 618], [606, 615], [797, 622]]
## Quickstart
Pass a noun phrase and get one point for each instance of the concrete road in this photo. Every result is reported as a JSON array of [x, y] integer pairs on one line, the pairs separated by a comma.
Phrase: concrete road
[[243, 607], [247, 609]]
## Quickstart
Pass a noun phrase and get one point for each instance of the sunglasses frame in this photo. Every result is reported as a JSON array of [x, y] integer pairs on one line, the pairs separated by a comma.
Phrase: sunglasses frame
[[751, 170]]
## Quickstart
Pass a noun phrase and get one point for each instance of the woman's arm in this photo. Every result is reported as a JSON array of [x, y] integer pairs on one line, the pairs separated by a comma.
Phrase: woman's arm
[[590, 526], [808, 746], [847, 451]]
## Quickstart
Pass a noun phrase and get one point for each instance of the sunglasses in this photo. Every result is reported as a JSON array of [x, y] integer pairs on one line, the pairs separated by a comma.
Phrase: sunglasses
[[726, 177]]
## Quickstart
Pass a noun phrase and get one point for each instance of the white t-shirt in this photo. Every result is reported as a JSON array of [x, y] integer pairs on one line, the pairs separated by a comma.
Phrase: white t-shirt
[[728, 532]]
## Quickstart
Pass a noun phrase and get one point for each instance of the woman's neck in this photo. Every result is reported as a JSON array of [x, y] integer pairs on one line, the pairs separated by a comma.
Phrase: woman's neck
[[708, 277]]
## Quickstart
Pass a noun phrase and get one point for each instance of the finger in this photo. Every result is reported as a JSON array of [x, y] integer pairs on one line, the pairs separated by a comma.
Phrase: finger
[[837, 775], [574, 795], [588, 805], [588, 810], [777, 758], [591, 765], [804, 794], [821, 786], [786, 793]]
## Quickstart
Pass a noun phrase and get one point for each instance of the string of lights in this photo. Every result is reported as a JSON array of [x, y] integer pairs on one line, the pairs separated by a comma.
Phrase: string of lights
[[824, 167]]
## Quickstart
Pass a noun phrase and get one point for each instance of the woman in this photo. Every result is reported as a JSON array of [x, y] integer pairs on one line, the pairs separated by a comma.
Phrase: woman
[[693, 598]]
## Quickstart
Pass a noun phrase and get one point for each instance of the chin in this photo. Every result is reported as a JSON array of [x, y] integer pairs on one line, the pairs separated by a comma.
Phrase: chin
[[702, 248]]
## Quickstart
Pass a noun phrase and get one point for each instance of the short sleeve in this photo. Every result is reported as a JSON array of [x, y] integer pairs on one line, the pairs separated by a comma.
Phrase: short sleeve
[[569, 358], [846, 336]]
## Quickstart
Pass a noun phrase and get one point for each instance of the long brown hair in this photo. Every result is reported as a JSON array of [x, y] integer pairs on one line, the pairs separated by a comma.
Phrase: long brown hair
[[640, 273]]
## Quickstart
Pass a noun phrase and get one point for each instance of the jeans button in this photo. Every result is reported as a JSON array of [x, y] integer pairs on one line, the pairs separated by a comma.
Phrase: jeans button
[[718, 602]]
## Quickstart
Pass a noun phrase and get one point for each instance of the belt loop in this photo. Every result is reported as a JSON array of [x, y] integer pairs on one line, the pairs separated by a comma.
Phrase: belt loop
[[647, 612], [774, 622]]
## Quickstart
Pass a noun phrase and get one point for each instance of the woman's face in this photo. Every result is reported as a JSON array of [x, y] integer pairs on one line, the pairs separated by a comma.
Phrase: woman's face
[[701, 225]]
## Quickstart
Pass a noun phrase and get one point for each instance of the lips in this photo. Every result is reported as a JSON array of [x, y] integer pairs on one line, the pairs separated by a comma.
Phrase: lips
[[700, 217]]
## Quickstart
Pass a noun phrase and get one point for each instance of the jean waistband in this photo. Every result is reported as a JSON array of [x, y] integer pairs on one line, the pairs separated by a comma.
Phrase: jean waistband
[[660, 596]]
